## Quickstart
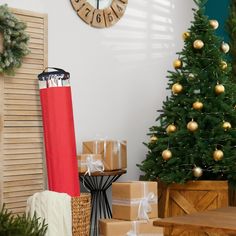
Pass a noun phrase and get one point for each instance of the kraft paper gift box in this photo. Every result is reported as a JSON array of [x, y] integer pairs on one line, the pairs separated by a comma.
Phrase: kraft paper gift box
[[112, 227], [134, 200], [90, 163], [114, 153]]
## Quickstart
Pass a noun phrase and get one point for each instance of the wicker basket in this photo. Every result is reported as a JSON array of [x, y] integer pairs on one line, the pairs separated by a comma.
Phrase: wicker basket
[[81, 209]]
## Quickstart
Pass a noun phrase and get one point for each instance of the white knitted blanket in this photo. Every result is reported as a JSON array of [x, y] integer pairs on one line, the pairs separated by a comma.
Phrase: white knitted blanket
[[55, 208]]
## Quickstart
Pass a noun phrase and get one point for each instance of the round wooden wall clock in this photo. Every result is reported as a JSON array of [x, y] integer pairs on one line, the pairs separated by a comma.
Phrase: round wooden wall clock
[[100, 13]]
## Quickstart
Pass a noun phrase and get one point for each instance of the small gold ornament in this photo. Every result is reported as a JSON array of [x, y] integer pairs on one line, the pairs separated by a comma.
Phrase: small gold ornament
[[219, 89], [153, 139], [214, 24], [226, 125], [218, 155], [192, 126], [198, 44], [186, 35], [197, 172], [166, 154], [191, 76], [197, 105], [171, 128], [225, 47], [223, 65], [177, 88], [177, 64]]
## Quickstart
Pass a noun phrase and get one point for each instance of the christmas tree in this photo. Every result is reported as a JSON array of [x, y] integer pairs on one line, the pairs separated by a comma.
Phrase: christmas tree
[[195, 135]]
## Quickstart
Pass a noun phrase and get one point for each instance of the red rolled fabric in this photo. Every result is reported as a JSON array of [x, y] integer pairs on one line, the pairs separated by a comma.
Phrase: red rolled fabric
[[59, 137]]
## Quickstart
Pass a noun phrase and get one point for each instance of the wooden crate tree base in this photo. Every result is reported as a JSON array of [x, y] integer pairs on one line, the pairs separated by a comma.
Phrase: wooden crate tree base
[[194, 196]]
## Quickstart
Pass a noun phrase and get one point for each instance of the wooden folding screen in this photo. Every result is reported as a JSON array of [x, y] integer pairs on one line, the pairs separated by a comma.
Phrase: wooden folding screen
[[21, 133]]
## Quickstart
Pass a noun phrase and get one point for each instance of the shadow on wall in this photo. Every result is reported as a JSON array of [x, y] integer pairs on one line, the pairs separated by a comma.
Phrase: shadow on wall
[[144, 33]]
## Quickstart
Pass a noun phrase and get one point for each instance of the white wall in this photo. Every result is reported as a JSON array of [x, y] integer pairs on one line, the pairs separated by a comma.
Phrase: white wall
[[118, 74]]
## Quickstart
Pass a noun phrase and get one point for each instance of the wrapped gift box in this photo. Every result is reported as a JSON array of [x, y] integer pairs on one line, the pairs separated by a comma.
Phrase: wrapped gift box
[[90, 161], [114, 153], [134, 200], [112, 227]]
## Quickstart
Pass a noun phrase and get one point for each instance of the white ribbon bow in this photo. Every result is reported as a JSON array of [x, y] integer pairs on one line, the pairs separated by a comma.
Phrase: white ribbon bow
[[145, 207], [133, 231], [93, 166]]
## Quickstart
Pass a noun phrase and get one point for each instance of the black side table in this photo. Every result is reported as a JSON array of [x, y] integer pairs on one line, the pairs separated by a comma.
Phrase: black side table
[[98, 183]]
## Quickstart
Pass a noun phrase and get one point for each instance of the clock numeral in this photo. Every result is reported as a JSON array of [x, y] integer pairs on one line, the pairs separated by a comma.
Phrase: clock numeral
[[77, 4], [118, 7], [86, 13], [98, 19], [110, 17]]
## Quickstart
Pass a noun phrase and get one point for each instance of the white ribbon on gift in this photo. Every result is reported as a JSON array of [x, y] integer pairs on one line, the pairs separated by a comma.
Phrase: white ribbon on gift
[[134, 230], [93, 165], [116, 150], [144, 203]]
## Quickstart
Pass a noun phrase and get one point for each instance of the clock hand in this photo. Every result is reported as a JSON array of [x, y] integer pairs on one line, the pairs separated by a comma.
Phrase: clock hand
[[97, 4]]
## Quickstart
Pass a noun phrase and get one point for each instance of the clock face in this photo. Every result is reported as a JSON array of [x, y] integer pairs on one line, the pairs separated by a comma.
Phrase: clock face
[[100, 13]]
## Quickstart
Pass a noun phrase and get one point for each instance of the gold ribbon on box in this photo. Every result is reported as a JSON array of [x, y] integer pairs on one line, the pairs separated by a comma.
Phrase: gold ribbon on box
[[144, 203]]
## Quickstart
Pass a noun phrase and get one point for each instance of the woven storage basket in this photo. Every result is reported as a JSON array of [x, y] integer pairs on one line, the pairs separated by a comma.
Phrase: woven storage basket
[[81, 209]]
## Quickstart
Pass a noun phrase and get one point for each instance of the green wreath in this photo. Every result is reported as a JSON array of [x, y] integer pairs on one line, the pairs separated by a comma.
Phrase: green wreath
[[15, 41]]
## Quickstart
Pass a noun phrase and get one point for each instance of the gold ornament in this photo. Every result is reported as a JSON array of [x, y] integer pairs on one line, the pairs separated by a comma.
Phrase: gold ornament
[[225, 47], [177, 88], [197, 105], [192, 126], [214, 24], [197, 172], [171, 128], [198, 44], [191, 76], [166, 154], [186, 35], [223, 65], [219, 89], [177, 64], [226, 125], [218, 155], [153, 138]]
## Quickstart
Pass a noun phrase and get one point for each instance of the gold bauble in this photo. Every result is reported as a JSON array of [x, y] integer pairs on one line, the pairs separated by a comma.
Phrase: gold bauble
[[197, 105], [171, 128], [198, 44], [225, 47], [186, 35], [214, 24], [166, 154], [226, 125], [218, 155], [153, 139], [223, 65], [192, 126], [197, 172], [219, 89], [177, 64], [177, 88]]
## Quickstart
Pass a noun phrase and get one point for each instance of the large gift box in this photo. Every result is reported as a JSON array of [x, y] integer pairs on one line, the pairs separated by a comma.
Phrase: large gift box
[[90, 163], [114, 153], [134, 200], [112, 227]]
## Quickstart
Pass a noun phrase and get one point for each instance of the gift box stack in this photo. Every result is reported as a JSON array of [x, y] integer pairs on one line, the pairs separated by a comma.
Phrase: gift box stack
[[134, 208], [102, 155]]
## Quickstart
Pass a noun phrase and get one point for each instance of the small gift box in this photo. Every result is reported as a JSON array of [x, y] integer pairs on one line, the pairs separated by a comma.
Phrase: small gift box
[[134, 200], [112, 227], [89, 163], [114, 153]]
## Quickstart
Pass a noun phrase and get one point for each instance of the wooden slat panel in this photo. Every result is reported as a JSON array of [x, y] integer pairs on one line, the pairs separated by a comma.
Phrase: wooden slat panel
[[23, 76], [22, 118], [9, 162], [36, 46], [35, 56], [15, 205], [23, 81], [18, 199], [22, 177], [22, 146], [35, 25], [22, 107], [33, 61], [33, 66], [21, 91], [25, 130], [21, 151], [22, 182], [21, 86], [22, 102], [22, 140], [23, 113], [29, 19], [24, 172], [22, 123], [23, 156], [22, 167]]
